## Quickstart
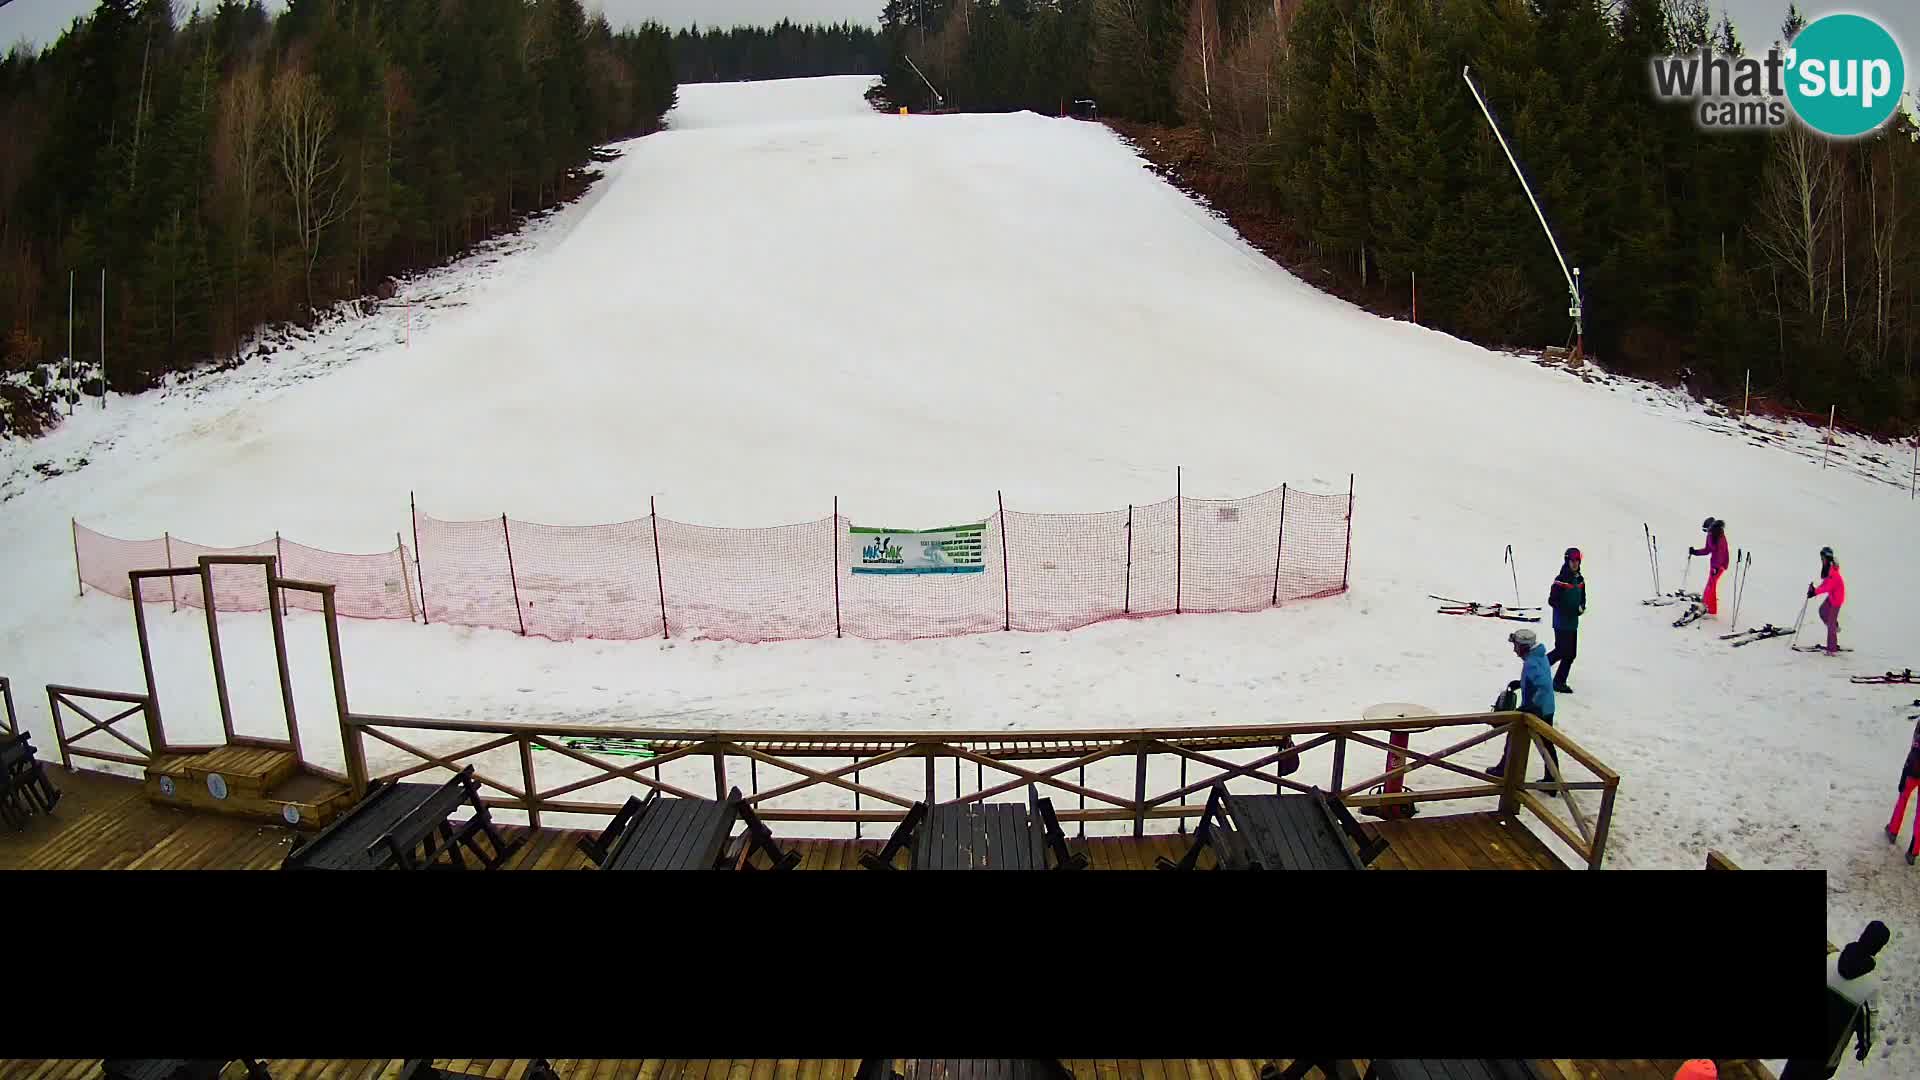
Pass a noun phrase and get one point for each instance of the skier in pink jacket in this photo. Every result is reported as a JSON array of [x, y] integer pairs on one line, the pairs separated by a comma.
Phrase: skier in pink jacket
[[1716, 549], [1834, 588]]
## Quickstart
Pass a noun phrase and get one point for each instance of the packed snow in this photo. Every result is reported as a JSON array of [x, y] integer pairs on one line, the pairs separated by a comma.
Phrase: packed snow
[[787, 297]]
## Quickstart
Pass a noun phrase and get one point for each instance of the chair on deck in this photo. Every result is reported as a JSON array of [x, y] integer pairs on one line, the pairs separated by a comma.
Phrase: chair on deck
[[685, 834], [980, 836], [408, 827], [1312, 831], [976, 1069], [24, 786]]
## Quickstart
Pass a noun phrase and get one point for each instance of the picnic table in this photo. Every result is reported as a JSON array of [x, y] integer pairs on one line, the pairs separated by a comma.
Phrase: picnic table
[[408, 827], [1452, 1069], [24, 786], [684, 834], [965, 1069], [980, 836], [1304, 831]]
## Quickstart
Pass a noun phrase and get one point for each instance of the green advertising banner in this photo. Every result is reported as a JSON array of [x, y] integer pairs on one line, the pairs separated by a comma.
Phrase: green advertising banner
[[955, 549]]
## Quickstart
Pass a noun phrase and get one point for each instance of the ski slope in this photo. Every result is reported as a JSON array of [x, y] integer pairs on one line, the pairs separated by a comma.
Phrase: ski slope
[[787, 297]]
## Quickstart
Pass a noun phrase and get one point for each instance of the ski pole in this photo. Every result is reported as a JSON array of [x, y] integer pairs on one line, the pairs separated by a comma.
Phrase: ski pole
[[1656, 562], [1742, 564], [1687, 571], [1797, 620], [1515, 573], [1651, 573]]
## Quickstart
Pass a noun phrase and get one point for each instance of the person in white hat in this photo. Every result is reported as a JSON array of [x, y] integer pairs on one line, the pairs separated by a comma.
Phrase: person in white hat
[[1536, 689]]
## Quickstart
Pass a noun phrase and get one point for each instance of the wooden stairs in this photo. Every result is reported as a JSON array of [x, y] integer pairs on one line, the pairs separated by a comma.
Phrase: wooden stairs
[[259, 783]]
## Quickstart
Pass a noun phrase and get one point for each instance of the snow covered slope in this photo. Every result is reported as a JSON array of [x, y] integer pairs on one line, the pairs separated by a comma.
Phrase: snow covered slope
[[788, 297]]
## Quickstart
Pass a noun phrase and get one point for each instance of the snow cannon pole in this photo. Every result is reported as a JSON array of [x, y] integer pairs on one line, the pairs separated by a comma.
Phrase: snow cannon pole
[[1511, 569]]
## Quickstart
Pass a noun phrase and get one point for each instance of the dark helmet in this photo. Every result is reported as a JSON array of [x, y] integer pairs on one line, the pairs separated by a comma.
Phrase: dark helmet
[[1707, 525], [1573, 555], [1826, 553]]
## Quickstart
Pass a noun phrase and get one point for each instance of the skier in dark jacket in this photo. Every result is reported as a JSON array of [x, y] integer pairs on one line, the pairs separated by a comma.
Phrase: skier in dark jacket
[[1909, 785], [1568, 598], [1716, 549]]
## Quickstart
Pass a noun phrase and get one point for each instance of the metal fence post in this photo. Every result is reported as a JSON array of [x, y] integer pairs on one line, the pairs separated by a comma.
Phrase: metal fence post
[[506, 533], [1278, 544], [834, 544], [74, 525], [653, 520], [1179, 512], [172, 595], [1006, 571], [1346, 564], [419, 576], [279, 569], [1126, 597], [406, 586]]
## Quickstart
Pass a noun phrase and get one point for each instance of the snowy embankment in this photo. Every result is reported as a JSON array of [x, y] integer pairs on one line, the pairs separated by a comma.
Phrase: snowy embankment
[[787, 297]]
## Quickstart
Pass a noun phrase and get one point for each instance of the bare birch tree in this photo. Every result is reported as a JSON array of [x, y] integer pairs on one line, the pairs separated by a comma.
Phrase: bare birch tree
[[304, 128], [1795, 209]]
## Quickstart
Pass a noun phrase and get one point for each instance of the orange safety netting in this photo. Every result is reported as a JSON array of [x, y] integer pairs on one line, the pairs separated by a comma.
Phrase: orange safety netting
[[366, 586], [654, 577]]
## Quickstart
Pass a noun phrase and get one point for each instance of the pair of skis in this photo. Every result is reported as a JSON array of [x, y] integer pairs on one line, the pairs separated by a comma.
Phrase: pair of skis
[[1693, 615], [1673, 598], [1891, 678], [1758, 633], [1485, 611]]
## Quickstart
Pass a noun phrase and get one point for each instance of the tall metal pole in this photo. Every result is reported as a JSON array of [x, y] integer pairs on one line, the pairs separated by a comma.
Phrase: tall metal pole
[[103, 337], [1573, 275], [69, 363]]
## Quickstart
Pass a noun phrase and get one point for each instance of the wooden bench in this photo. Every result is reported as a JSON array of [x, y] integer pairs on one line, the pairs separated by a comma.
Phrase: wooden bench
[[1452, 1069], [407, 826], [24, 786], [980, 836], [978, 1069], [685, 834], [422, 1069], [176, 1069], [1312, 831]]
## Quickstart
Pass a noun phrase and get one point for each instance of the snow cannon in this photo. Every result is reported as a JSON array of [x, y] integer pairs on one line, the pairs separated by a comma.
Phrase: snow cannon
[[1398, 739]]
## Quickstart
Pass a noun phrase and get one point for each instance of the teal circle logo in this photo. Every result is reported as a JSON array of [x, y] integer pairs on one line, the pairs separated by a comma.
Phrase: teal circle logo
[[1846, 75]]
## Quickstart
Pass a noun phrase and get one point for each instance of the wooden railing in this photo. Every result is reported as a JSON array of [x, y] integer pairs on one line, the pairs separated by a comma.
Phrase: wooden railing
[[139, 705], [10, 719], [1122, 777]]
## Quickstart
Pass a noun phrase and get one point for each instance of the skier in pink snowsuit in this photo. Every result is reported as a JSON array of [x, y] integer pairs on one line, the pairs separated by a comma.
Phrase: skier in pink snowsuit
[[1834, 588], [1716, 547]]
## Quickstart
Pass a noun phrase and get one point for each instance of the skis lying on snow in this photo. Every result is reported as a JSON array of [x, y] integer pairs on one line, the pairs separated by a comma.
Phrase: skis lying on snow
[[1694, 614], [1473, 605], [1891, 678], [1492, 611], [1761, 633], [613, 747], [1815, 648], [1673, 598]]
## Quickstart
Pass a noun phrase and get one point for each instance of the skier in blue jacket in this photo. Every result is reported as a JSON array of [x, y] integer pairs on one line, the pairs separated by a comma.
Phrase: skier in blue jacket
[[1536, 689]]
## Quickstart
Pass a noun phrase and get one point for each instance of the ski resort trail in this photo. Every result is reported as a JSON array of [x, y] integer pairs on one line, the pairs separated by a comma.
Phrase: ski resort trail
[[787, 297]]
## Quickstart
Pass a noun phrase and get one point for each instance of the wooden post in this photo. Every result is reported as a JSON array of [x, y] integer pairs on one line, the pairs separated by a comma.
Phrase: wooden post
[[275, 598], [1279, 543], [1126, 596], [279, 568], [929, 756], [60, 730], [1140, 790], [6, 697], [74, 525], [659, 579], [1519, 734], [835, 545], [1006, 571], [1746, 397], [172, 596], [1346, 563], [1339, 763], [1832, 412], [351, 744], [156, 738], [1600, 824], [1415, 279], [1179, 511], [400, 549], [213, 647], [519, 612], [419, 575], [526, 781]]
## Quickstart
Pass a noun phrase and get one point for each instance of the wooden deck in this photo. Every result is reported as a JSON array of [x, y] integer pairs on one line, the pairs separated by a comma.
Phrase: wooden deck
[[843, 1069], [108, 823]]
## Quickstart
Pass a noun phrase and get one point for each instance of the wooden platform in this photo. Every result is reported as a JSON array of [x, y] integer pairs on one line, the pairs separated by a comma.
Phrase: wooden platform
[[256, 783], [842, 1069], [113, 823]]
